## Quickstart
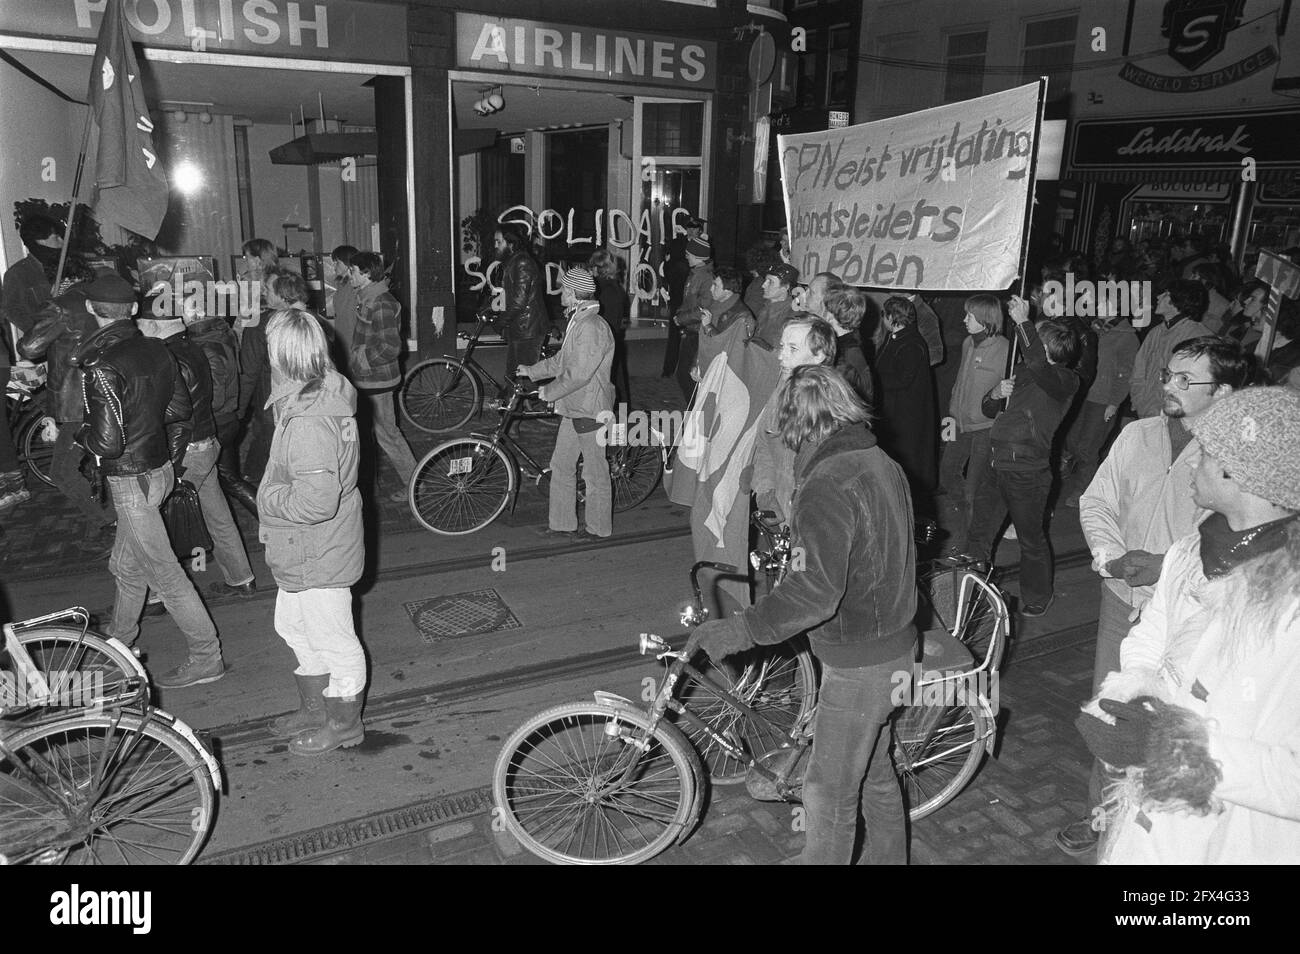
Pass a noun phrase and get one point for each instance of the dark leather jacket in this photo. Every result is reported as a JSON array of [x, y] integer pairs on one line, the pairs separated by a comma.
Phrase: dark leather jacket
[[198, 379], [221, 348], [137, 404], [61, 326], [525, 288]]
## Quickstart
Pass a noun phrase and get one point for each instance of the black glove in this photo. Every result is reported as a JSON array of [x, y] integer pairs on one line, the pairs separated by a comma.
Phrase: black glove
[[1124, 743], [720, 637]]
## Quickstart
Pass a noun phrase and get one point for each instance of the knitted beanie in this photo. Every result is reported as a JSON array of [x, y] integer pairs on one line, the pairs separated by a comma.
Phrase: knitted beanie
[[699, 247], [1255, 434], [579, 281]]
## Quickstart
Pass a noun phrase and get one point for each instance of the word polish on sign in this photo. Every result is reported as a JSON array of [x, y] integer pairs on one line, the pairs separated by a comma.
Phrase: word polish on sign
[[933, 201]]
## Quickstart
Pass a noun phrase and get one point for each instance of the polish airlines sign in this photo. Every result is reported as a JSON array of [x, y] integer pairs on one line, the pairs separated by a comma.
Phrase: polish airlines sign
[[336, 30], [502, 45]]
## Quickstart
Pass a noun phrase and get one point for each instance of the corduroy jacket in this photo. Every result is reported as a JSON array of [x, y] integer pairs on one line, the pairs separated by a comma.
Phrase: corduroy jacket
[[855, 591]]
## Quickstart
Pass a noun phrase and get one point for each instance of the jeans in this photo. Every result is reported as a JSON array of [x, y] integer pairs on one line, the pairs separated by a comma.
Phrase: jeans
[[1085, 442], [383, 423], [971, 450], [261, 427], [564, 481], [672, 348], [1024, 495], [143, 559], [227, 544], [618, 369], [317, 626], [8, 453], [1112, 626], [851, 773], [686, 357], [521, 351], [65, 470]]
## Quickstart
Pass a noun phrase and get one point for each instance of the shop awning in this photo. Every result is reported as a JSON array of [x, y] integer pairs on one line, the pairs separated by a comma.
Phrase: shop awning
[[1193, 147], [324, 147]]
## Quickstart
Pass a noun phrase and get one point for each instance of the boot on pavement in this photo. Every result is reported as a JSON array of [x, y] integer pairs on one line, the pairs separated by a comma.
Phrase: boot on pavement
[[342, 728], [311, 710], [242, 492]]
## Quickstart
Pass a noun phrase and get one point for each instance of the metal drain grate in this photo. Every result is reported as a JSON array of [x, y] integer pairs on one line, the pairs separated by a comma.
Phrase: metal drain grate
[[458, 615], [328, 840]]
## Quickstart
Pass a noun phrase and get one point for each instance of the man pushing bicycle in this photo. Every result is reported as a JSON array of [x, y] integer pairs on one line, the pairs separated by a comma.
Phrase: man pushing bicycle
[[851, 588]]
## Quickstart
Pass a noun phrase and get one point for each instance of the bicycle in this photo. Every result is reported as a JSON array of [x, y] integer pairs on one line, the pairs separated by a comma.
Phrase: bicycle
[[462, 485], [110, 780], [444, 394], [32, 427], [608, 783]]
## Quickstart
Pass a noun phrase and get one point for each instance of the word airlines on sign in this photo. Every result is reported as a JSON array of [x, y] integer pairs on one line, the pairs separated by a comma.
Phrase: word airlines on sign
[[526, 46], [933, 200]]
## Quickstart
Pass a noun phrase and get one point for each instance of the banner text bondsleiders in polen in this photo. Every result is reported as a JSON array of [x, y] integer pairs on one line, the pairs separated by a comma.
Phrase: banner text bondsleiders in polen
[[933, 200]]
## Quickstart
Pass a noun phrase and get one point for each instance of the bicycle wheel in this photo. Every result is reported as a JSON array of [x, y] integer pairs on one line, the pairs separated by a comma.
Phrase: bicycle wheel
[[634, 473], [117, 788], [778, 682], [589, 784], [462, 486], [937, 751], [440, 395], [37, 450], [105, 669]]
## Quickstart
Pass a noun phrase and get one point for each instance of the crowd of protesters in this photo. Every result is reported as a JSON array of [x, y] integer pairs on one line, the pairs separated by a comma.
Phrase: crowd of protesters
[[258, 406], [831, 403]]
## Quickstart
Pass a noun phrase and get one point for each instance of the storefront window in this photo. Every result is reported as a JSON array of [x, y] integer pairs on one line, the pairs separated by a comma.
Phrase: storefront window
[[964, 78], [837, 66], [673, 129], [1049, 51], [808, 73]]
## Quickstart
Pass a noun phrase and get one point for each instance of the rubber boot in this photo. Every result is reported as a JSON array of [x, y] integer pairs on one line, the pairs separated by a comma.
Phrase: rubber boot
[[341, 730], [311, 712]]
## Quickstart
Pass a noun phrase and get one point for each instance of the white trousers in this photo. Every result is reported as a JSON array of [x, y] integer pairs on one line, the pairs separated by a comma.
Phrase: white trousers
[[317, 625]]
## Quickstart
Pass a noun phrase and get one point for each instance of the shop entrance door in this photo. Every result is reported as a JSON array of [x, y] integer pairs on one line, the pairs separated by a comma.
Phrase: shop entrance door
[[669, 142]]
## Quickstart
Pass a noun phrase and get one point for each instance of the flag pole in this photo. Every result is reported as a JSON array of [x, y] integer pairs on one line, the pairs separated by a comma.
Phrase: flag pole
[[1028, 227], [72, 209]]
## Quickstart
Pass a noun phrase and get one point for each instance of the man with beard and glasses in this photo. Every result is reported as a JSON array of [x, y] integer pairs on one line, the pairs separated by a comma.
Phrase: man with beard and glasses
[[1137, 505]]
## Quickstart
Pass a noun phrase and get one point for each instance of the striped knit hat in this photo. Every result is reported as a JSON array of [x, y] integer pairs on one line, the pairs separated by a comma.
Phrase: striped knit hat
[[699, 247], [1255, 434], [579, 281]]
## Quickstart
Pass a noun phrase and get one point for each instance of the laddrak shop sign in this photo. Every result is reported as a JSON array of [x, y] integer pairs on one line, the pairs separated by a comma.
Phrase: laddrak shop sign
[[1173, 143], [1197, 31]]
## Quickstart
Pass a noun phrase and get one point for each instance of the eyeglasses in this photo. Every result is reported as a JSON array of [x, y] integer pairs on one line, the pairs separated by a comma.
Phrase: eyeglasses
[[1180, 379]]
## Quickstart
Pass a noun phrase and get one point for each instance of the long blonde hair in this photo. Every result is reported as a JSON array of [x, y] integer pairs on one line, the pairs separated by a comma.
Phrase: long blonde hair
[[296, 347]]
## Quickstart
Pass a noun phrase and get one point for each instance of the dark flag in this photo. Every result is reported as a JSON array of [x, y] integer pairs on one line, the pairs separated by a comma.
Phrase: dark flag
[[132, 189]]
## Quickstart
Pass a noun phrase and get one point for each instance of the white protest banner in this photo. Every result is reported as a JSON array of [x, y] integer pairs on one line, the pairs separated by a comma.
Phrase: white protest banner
[[933, 201]]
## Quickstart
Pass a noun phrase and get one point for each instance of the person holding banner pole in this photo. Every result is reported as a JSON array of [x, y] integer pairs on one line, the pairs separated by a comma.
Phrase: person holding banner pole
[[1019, 475]]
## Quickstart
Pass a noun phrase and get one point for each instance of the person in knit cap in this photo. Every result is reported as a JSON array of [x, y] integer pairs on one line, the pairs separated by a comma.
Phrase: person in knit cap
[[1203, 715], [583, 397]]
